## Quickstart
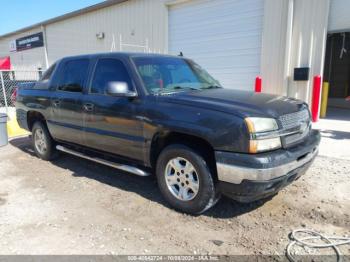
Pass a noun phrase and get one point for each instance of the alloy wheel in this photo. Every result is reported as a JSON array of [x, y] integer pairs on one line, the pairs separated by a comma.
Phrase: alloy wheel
[[39, 141], [182, 179]]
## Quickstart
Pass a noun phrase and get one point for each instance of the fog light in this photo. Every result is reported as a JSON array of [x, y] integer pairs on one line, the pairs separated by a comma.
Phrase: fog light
[[257, 146]]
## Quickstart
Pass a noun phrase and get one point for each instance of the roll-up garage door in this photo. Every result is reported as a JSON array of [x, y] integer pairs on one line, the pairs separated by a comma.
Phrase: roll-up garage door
[[223, 36], [339, 16]]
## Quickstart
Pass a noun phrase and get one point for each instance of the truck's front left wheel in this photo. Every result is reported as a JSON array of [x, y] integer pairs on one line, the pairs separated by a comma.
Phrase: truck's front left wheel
[[185, 180], [43, 143]]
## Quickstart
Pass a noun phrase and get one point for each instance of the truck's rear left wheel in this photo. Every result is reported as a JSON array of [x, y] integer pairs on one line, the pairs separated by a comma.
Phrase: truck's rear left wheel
[[43, 143], [185, 180]]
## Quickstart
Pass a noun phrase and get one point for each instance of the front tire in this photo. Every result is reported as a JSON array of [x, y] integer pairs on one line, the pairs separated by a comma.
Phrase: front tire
[[185, 180], [43, 143]]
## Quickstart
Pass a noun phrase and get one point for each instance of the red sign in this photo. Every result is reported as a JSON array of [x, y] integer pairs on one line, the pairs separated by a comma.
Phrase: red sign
[[5, 63]]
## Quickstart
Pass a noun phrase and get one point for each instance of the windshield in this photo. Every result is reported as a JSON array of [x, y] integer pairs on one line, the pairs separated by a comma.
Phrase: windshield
[[171, 74]]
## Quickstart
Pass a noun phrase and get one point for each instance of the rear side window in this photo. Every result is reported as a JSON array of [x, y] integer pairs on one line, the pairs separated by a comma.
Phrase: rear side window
[[108, 70], [74, 75], [48, 73]]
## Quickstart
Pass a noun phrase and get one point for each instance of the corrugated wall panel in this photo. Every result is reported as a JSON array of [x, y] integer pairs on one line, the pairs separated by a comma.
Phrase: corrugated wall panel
[[273, 54], [135, 20], [308, 44], [30, 59]]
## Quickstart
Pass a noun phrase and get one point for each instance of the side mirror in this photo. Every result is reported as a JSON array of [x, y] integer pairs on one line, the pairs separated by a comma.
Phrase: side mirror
[[120, 89]]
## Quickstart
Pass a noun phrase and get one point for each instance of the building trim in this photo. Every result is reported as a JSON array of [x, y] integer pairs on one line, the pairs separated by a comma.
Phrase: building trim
[[288, 48], [175, 2], [43, 29]]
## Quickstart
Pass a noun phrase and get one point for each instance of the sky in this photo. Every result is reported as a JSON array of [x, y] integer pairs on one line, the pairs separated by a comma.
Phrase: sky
[[16, 14]]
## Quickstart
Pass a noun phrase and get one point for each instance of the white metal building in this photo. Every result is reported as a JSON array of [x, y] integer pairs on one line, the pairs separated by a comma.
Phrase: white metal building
[[235, 40]]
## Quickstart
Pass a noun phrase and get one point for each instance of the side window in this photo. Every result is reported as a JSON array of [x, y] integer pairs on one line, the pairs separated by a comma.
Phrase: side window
[[48, 73], [108, 70], [74, 75]]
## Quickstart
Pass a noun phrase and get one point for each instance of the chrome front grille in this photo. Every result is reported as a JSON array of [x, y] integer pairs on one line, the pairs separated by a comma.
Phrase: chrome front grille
[[298, 124], [296, 119], [297, 137]]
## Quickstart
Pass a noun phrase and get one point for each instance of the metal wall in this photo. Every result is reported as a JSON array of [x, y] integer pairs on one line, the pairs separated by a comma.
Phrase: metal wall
[[137, 21], [275, 48], [294, 36], [310, 21], [29, 59]]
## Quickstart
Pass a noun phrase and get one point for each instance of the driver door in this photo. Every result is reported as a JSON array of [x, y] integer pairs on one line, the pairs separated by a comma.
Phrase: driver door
[[110, 122]]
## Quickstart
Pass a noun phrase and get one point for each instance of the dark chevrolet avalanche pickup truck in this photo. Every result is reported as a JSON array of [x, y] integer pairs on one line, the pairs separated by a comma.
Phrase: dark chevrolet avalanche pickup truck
[[145, 113]]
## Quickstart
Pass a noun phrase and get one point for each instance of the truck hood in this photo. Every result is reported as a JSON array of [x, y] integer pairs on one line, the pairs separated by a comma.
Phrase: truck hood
[[241, 103]]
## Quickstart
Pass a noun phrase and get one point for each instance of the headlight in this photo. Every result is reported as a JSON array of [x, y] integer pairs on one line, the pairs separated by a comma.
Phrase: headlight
[[258, 125]]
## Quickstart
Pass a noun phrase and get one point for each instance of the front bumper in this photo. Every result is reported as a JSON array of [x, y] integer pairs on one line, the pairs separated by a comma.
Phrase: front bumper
[[247, 177]]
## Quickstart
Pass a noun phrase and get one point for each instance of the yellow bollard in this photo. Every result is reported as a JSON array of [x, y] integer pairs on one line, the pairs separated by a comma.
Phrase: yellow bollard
[[324, 99], [13, 128]]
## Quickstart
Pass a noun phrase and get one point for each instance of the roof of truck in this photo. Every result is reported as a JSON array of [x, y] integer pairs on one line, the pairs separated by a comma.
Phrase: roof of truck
[[124, 54]]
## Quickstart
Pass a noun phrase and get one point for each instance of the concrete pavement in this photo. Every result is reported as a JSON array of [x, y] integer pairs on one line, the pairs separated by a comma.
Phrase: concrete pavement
[[335, 131]]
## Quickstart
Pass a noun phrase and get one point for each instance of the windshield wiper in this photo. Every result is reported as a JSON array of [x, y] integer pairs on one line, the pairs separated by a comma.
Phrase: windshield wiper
[[212, 87], [172, 90], [185, 87]]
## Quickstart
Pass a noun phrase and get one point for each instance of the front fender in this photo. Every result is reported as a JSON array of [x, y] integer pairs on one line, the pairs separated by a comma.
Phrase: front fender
[[223, 131]]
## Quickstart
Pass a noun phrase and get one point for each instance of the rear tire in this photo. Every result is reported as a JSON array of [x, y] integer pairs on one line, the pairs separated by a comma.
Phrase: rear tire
[[44, 145], [185, 180]]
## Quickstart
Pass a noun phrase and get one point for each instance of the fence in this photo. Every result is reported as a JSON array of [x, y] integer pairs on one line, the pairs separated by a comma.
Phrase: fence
[[9, 80]]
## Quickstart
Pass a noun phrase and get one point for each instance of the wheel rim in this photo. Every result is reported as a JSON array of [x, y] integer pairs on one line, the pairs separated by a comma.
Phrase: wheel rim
[[182, 179], [39, 141]]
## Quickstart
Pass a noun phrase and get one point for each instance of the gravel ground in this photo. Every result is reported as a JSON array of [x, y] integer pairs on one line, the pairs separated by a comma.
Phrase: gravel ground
[[73, 206]]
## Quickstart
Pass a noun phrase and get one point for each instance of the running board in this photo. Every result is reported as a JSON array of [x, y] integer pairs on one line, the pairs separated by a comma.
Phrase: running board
[[126, 168]]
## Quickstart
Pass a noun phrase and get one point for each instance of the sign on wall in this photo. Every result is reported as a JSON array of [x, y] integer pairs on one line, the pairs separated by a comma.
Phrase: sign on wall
[[27, 42]]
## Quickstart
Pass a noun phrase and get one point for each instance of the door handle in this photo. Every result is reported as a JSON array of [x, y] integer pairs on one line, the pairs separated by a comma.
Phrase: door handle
[[88, 107], [56, 103]]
